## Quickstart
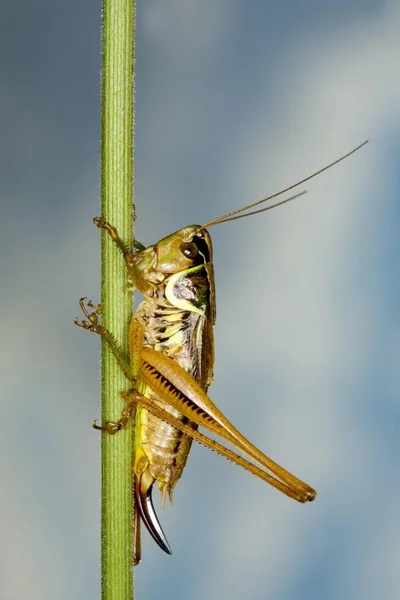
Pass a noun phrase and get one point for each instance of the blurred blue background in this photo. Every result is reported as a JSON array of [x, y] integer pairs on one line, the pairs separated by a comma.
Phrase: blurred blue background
[[235, 100]]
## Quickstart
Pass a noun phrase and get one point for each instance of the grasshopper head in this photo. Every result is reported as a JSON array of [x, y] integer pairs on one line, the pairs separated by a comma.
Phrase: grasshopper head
[[184, 249], [178, 253]]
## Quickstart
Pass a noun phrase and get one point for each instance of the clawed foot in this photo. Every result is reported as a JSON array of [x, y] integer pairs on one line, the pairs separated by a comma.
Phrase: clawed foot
[[110, 427], [103, 224], [92, 324]]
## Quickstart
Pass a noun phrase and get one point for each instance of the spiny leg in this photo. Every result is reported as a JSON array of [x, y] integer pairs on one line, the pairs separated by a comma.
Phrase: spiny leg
[[302, 493], [178, 389], [94, 326]]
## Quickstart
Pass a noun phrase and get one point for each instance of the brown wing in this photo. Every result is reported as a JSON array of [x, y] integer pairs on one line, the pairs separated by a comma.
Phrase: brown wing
[[202, 349]]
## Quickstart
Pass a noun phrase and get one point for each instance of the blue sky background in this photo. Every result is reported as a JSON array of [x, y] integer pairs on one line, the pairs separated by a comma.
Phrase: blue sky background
[[235, 100]]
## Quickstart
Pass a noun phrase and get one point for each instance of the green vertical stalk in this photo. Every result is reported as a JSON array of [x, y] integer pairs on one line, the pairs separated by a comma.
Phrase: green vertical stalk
[[117, 121]]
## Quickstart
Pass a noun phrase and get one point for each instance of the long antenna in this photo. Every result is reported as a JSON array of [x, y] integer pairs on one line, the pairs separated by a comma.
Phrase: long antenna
[[230, 216], [260, 210]]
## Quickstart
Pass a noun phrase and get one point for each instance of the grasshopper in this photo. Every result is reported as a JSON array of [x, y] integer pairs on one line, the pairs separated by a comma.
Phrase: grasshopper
[[170, 366]]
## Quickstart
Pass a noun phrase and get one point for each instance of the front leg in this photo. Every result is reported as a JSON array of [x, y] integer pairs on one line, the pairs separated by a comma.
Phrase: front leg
[[93, 325], [113, 233]]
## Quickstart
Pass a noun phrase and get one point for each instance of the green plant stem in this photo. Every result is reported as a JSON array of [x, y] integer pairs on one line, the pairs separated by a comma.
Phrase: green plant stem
[[117, 123]]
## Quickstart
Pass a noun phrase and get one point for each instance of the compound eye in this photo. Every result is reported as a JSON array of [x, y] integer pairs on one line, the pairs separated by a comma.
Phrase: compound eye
[[189, 249]]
